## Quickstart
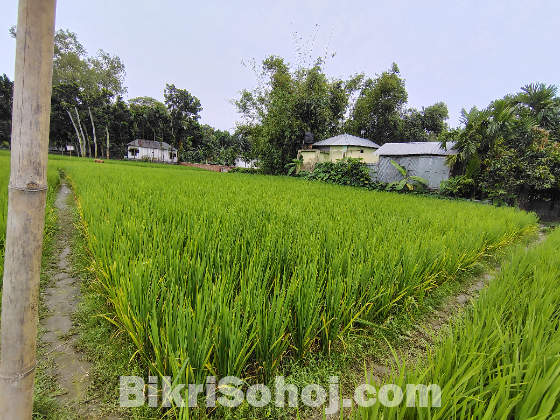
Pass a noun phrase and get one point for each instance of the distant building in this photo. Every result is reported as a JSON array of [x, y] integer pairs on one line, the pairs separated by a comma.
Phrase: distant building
[[242, 163], [153, 150], [424, 159], [336, 148]]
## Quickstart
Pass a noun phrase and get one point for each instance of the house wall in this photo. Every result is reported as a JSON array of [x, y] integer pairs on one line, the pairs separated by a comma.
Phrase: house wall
[[311, 157], [431, 168], [333, 153], [161, 155], [340, 152]]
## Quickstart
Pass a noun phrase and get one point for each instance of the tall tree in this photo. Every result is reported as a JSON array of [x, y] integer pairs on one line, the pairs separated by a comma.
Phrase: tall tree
[[424, 125], [100, 78], [285, 104], [540, 102], [184, 109], [378, 109]]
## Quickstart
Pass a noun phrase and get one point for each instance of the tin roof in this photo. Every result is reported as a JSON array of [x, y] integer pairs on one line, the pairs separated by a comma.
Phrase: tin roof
[[346, 140], [151, 144], [416, 148]]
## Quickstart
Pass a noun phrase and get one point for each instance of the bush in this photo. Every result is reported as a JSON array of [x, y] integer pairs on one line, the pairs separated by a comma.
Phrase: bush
[[347, 171], [457, 186]]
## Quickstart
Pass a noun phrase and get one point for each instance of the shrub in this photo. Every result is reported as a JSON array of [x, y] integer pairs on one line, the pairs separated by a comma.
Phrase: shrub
[[347, 171]]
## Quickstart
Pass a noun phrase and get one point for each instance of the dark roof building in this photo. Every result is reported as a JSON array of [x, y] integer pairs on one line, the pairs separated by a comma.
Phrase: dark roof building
[[151, 144]]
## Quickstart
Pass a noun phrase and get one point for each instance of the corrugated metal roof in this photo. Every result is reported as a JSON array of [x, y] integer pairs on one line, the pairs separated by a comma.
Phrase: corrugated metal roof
[[346, 140], [416, 148], [151, 144]]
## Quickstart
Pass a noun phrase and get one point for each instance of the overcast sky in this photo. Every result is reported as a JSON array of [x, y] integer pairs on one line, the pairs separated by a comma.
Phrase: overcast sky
[[463, 53]]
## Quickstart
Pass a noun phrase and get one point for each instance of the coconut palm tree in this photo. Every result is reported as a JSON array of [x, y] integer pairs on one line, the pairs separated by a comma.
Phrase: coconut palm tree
[[541, 103]]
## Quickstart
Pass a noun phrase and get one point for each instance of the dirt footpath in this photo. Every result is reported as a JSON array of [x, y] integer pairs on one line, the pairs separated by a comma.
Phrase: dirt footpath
[[61, 299]]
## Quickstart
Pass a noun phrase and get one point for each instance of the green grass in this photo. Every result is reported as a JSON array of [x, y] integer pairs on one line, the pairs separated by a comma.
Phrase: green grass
[[502, 360]]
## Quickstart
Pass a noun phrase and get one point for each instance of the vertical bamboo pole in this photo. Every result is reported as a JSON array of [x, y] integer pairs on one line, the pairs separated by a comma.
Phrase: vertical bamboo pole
[[26, 206]]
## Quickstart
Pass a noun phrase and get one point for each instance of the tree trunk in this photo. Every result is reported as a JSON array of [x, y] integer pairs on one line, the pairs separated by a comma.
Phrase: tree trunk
[[88, 145], [82, 131], [93, 129], [77, 132], [26, 206], [107, 130]]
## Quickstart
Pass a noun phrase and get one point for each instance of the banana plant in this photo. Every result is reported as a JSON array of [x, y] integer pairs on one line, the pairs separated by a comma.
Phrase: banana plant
[[412, 182]]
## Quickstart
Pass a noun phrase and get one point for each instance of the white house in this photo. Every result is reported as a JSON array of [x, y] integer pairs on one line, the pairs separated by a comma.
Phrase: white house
[[242, 163], [154, 150]]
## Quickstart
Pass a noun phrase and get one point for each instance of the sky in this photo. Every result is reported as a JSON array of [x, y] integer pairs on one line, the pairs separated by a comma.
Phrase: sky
[[464, 53]]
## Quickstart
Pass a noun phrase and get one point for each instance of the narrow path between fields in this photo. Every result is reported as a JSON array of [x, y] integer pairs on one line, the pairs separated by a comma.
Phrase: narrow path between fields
[[422, 336], [61, 299]]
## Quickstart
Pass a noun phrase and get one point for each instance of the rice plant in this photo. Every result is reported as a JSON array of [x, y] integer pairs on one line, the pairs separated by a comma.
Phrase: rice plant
[[503, 360], [232, 274]]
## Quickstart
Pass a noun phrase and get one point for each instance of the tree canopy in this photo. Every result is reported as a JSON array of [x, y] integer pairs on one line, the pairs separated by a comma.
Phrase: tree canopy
[[510, 149], [288, 101]]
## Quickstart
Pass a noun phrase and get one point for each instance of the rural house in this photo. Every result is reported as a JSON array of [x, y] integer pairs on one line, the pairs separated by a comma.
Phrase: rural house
[[154, 150], [424, 159], [338, 147]]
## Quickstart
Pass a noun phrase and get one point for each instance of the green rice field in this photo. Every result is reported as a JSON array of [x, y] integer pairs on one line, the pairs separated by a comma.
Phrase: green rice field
[[233, 274]]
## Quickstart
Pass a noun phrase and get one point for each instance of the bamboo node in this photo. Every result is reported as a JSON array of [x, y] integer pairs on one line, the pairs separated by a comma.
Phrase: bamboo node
[[30, 186], [23, 374]]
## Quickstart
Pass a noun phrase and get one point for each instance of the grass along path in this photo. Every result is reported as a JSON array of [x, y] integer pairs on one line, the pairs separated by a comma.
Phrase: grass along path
[[60, 300], [485, 334], [415, 334]]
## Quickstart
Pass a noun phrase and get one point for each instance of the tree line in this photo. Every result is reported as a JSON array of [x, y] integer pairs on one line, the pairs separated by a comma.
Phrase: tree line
[[88, 110], [509, 151], [287, 102]]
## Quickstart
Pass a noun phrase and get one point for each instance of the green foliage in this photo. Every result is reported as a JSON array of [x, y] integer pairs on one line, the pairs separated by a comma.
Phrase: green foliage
[[462, 185], [294, 166], [377, 112], [412, 182], [91, 73], [347, 171], [184, 109], [457, 186], [214, 147], [286, 103], [424, 125], [516, 146], [252, 171], [501, 361], [6, 89]]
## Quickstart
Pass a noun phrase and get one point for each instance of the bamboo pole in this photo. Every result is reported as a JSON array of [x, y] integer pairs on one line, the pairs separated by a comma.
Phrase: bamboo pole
[[26, 206]]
